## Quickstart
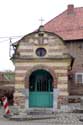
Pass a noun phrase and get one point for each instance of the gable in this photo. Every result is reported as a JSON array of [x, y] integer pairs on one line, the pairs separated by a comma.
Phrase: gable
[[50, 42]]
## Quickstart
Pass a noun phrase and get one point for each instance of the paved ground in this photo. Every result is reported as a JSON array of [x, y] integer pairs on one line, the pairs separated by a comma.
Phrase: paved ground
[[60, 119], [38, 122]]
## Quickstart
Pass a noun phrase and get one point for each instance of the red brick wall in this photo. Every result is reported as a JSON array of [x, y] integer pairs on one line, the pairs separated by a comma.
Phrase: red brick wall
[[75, 48]]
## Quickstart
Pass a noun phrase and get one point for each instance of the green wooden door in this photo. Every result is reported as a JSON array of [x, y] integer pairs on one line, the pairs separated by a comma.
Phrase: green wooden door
[[40, 89]]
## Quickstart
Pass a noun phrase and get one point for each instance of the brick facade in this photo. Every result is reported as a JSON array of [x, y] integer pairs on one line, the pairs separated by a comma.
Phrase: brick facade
[[69, 26], [56, 63], [57, 60]]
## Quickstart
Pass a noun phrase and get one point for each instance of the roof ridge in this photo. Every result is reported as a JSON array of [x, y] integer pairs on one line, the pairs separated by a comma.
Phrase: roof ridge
[[65, 31], [55, 17], [78, 7], [60, 15]]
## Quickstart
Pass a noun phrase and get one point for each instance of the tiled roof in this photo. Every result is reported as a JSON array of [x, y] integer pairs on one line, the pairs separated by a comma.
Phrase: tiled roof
[[68, 25]]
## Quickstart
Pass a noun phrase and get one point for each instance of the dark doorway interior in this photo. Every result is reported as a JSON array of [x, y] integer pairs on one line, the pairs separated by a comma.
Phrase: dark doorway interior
[[40, 80]]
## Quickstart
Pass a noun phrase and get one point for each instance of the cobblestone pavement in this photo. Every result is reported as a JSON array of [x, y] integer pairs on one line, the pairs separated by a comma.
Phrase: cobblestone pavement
[[38, 122], [60, 119]]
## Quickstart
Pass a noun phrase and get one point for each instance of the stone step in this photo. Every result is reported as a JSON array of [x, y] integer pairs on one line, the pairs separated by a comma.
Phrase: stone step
[[23, 117], [39, 111]]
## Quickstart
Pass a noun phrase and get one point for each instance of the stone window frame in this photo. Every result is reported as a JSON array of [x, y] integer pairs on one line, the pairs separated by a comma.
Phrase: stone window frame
[[76, 77], [41, 52]]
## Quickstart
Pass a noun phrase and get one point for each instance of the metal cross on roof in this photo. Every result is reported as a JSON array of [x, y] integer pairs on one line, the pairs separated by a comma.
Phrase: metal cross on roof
[[41, 20]]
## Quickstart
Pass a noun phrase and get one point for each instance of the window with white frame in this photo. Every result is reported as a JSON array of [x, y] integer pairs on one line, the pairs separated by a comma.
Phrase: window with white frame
[[79, 78]]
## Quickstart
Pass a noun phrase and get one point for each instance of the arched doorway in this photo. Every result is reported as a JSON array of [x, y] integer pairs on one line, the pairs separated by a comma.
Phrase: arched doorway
[[40, 89]]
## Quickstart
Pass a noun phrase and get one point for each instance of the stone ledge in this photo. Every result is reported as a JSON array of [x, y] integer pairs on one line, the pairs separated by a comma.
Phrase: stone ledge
[[30, 117]]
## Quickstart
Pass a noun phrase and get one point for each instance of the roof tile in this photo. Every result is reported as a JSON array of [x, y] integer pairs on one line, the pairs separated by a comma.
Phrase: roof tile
[[68, 26]]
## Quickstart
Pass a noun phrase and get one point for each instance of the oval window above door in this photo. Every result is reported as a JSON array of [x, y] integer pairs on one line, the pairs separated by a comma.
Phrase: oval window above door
[[41, 52]]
